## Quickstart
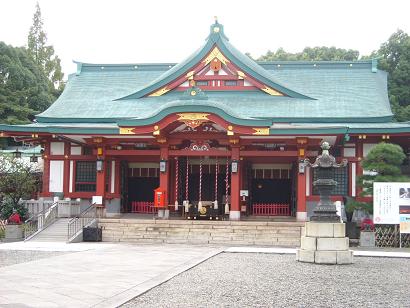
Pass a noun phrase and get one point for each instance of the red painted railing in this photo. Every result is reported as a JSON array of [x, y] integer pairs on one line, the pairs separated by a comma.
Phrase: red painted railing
[[271, 209], [143, 207]]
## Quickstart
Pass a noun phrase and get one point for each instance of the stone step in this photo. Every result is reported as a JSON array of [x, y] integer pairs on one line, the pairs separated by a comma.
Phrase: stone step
[[202, 232]]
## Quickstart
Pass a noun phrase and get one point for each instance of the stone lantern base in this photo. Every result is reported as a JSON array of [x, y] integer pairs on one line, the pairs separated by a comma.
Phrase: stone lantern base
[[324, 243]]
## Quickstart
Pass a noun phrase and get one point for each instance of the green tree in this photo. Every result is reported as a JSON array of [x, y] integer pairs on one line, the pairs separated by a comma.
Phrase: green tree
[[394, 57], [24, 88], [312, 54], [18, 180], [43, 54], [384, 163]]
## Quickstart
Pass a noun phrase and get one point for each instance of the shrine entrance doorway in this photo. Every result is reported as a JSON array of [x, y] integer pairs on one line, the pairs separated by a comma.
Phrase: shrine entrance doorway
[[271, 189], [143, 179]]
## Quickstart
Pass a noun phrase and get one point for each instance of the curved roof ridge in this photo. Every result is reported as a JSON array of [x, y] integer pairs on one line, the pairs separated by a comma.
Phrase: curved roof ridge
[[216, 38]]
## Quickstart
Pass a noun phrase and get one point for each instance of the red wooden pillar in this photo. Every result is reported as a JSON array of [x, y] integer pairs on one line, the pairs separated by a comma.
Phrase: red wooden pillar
[[301, 213], [45, 192], [164, 176], [66, 174], [235, 211], [359, 169], [101, 176]]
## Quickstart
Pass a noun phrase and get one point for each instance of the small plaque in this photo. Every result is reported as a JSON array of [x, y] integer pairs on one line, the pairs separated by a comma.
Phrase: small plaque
[[97, 200]]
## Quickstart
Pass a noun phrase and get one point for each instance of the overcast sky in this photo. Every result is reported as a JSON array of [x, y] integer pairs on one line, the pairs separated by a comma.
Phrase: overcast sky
[[119, 31]]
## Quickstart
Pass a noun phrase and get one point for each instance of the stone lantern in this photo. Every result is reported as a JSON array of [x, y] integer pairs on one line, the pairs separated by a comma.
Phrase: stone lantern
[[324, 240]]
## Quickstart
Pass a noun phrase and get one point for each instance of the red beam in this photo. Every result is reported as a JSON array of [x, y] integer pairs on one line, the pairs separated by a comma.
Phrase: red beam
[[132, 152], [269, 153], [211, 152]]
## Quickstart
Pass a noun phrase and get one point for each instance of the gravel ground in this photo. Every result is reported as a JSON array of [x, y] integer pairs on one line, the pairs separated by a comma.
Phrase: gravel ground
[[10, 257], [269, 280]]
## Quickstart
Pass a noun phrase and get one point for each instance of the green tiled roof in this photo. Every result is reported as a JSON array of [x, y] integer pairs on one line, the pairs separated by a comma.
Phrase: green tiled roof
[[341, 94]]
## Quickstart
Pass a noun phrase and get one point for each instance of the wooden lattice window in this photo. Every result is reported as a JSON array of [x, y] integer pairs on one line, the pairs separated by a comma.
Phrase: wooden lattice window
[[231, 83], [202, 83], [85, 176]]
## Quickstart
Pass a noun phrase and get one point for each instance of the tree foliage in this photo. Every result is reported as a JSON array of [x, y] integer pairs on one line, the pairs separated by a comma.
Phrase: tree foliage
[[312, 54], [24, 89], [395, 59], [43, 54], [18, 180], [382, 165], [394, 55]]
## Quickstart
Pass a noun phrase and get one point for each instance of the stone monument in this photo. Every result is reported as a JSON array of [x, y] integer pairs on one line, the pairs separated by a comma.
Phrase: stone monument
[[324, 240]]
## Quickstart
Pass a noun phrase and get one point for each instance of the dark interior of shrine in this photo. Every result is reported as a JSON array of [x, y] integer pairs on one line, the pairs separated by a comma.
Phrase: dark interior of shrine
[[271, 191]]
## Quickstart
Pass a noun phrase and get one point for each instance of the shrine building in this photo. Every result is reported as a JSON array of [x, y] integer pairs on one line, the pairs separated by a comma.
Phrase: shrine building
[[217, 130]]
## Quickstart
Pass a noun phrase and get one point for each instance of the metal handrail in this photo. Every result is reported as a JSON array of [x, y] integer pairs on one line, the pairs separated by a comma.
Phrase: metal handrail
[[40, 221], [85, 218]]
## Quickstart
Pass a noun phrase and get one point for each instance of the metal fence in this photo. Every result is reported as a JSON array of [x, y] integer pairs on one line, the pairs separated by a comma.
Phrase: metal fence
[[270, 209], [143, 207], [389, 236]]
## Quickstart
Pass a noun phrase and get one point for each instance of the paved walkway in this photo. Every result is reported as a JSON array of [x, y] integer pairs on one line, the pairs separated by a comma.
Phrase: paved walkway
[[108, 275], [101, 275]]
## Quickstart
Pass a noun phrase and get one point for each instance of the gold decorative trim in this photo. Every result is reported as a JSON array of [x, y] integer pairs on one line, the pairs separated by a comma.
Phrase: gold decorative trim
[[215, 53], [160, 92], [193, 116], [301, 141], [271, 91], [193, 120], [241, 75], [126, 131], [261, 131], [190, 75]]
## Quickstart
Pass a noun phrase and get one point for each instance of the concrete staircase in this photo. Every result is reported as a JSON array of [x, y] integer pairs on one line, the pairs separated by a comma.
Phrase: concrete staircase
[[284, 234], [57, 232]]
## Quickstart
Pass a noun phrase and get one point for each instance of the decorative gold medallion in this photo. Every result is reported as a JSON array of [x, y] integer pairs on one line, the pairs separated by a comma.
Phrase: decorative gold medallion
[[216, 65], [193, 93]]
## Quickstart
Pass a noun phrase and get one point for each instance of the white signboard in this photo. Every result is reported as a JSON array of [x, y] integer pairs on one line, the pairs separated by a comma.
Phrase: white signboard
[[387, 199]]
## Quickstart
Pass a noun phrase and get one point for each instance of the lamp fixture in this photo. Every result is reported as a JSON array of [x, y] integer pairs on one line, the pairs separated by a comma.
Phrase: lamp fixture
[[100, 164]]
